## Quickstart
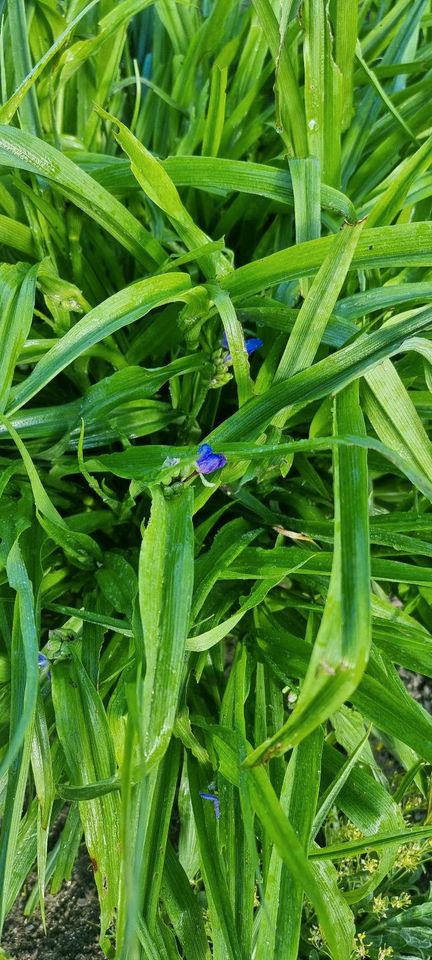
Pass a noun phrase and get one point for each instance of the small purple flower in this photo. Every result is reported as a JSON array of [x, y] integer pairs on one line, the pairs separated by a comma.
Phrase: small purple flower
[[208, 461], [43, 664], [252, 344], [214, 800]]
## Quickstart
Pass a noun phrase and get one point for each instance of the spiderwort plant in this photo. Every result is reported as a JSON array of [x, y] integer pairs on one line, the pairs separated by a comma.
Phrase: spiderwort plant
[[222, 359], [251, 344], [206, 462], [214, 800], [44, 667], [133, 589]]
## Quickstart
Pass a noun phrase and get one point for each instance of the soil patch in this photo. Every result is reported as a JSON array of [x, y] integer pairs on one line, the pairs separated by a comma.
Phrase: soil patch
[[420, 687], [72, 919]]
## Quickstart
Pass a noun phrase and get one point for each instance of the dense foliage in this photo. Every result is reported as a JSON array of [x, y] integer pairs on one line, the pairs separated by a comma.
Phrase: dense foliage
[[216, 478]]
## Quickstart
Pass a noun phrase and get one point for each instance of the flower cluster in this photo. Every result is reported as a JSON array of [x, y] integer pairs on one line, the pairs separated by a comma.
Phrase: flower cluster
[[409, 856], [401, 902], [176, 471], [315, 937], [360, 946], [222, 359], [370, 862], [380, 906], [251, 344]]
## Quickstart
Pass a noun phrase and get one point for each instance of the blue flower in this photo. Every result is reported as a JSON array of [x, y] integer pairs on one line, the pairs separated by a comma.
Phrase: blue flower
[[214, 800], [43, 664], [252, 344], [208, 461]]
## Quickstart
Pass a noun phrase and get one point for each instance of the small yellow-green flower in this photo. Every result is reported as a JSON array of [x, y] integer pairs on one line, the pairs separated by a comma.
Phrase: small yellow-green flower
[[400, 902], [315, 937], [409, 857], [360, 946], [384, 952], [380, 906]]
